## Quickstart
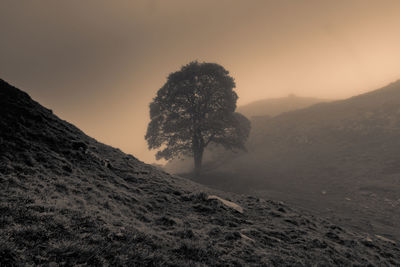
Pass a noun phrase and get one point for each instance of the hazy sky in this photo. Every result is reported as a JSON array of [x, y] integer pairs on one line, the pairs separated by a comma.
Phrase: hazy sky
[[99, 63]]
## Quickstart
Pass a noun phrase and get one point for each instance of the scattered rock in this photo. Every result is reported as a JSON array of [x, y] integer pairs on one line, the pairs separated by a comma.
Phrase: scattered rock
[[227, 203], [119, 236], [78, 145], [107, 164], [245, 237], [385, 239]]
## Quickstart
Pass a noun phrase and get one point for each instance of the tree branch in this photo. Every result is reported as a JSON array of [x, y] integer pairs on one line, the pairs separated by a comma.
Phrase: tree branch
[[209, 140]]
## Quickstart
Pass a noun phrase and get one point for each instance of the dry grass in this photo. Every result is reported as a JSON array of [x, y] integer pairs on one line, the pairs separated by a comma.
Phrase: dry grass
[[107, 208]]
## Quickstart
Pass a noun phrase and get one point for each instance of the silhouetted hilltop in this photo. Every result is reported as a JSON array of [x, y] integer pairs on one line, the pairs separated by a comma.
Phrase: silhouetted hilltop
[[276, 106], [66, 199]]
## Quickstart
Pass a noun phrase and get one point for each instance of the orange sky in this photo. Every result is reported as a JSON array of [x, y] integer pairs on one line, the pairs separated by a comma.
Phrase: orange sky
[[98, 63]]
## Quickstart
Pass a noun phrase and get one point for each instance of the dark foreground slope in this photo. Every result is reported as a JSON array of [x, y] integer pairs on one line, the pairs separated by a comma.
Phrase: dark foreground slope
[[66, 199]]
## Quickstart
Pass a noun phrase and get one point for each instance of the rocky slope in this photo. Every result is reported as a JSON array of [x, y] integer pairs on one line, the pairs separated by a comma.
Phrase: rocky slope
[[66, 199]]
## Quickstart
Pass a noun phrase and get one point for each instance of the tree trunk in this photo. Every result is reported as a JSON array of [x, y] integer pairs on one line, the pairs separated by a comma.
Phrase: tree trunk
[[198, 157]]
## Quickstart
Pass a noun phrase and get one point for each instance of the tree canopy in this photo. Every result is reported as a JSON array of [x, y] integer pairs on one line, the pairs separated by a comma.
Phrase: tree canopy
[[196, 107]]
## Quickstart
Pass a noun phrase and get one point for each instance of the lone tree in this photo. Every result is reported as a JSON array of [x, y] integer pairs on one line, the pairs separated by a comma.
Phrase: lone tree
[[196, 107]]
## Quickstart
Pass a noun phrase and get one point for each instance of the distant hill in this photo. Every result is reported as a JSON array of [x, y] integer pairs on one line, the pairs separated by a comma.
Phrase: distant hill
[[361, 130], [68, 200], [341, 156], [276, 106]]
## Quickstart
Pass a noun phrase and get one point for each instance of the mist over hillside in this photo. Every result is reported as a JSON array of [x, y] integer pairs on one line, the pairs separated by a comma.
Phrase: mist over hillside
[[337, 158], [200, 133], [215, 156], [68, 200], [276, 106]]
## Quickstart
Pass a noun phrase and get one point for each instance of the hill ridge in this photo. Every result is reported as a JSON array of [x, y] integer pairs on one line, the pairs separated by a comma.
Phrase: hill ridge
[[391, 87]]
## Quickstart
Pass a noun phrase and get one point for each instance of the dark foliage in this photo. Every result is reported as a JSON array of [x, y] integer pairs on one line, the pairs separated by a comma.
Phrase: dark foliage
[[194, 108]]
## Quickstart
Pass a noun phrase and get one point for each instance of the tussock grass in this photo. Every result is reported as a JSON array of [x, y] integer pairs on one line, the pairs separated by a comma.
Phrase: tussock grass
[[110, 209]]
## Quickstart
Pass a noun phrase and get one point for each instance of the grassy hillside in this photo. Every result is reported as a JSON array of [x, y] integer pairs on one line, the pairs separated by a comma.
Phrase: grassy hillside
[[335, 158], [69, 200]]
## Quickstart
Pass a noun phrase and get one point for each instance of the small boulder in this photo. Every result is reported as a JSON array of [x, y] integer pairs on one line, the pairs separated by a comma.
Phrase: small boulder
[[245, 237], [227, 203], [79, 145], [385, 239]]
